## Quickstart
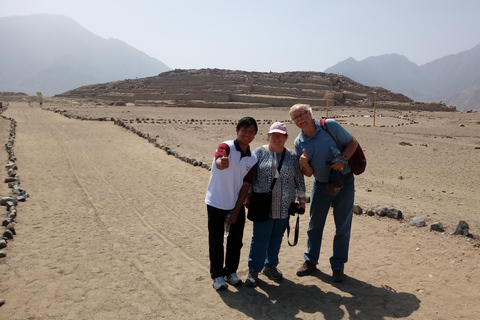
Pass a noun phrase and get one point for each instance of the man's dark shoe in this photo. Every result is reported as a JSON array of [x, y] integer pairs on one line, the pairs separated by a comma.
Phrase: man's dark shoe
[[306, 269], [252, 279], [338, 276]]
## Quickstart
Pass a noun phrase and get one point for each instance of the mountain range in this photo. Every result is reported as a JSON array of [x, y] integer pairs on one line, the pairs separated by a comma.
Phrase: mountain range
[[53, 54], [454, 79]]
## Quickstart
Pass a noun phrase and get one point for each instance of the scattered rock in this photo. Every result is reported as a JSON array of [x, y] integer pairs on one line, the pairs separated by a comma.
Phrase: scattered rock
[[394, 214], [462, 229], [10, 165], [437, 226], [417, 222], [11, 228], [357, 209], [4, 201], [370, 212], [381, 211], [8, 234], [22, 198]]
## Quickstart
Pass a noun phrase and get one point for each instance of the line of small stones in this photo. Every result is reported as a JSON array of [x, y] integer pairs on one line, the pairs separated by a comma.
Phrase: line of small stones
[[462, 228], [10, 202], [127, 124], [217, 121], [228, 122], [169, 150]]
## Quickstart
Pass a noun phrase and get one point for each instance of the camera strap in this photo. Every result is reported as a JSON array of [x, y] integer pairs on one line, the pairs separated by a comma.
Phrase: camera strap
[[297, 228], [278, 169]]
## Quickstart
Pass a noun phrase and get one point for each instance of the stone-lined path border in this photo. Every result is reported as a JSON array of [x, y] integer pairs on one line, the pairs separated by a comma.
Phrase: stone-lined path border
[[19, 195], [129, 125]]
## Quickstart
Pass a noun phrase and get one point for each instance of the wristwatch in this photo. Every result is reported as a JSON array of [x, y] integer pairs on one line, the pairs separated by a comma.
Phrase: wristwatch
[[344, 156]]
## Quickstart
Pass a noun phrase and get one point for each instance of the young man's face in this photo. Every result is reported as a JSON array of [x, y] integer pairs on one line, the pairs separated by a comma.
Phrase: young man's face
[[245, 135]]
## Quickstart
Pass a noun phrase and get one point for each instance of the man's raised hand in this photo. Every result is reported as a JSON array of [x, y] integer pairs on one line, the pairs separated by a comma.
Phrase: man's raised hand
[[303, 159], [222, 162]]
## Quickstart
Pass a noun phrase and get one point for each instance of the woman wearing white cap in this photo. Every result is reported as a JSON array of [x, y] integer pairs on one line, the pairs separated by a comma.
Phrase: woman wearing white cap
[[267, 236]]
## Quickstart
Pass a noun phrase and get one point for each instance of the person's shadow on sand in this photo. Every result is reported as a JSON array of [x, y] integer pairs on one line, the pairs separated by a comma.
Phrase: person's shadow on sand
[[285, 299]]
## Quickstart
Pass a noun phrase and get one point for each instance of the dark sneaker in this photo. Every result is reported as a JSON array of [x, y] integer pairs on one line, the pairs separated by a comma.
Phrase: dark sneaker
[[306, 269], [272, 272], [252, 279], [338, 276]]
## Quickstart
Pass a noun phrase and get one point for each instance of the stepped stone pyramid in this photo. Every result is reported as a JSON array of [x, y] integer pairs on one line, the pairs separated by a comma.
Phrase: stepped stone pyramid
[[217, 88]]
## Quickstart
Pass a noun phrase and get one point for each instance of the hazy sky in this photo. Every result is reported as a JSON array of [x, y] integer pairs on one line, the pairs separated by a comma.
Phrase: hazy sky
[[277, 35]]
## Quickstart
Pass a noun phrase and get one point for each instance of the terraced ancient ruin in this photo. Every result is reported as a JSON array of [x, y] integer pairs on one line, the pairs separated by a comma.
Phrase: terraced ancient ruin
[[215, 88]]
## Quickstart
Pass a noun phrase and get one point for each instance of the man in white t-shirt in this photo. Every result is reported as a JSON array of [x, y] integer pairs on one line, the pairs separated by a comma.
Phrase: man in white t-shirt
[[232, 172]]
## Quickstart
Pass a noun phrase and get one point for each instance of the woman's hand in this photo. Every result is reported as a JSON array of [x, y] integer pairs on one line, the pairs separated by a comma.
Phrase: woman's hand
[[301, 202]]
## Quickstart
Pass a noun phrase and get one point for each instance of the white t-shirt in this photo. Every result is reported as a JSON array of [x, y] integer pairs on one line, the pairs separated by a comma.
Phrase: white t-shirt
[[224, 185]]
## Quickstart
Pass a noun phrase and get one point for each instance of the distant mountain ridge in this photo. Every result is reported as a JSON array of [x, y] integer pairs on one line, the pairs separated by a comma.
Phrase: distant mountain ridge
[[53, 54], [454, 79]]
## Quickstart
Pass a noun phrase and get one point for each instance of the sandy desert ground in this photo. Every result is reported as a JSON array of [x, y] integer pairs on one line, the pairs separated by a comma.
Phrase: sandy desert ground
[[115, 228]]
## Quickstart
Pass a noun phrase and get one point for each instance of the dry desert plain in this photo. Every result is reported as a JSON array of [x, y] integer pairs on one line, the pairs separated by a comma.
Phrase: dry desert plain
[[115, 228]]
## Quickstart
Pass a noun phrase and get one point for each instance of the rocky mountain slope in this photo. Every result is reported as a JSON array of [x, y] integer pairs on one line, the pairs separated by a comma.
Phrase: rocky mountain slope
[[53, 54], [453, 79]]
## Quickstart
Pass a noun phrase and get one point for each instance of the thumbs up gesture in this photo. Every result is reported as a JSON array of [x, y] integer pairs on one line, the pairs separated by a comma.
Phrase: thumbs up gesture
[[222, 162], [303, 159]]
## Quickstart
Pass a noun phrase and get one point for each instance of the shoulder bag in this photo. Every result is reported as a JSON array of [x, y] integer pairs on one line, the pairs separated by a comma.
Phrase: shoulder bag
[[261, 203], [357, 161]]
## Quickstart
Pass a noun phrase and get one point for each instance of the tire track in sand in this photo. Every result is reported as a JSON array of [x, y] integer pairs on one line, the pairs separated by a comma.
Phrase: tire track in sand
[[145, 221]]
